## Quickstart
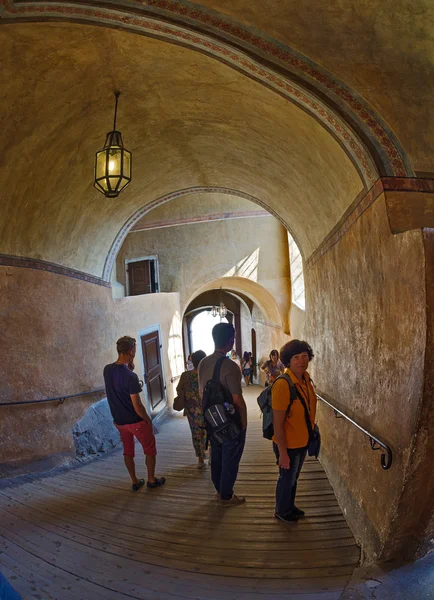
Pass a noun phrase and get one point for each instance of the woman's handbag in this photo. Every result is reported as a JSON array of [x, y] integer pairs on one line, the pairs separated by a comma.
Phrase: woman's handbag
[[314, 441], [179, 401]]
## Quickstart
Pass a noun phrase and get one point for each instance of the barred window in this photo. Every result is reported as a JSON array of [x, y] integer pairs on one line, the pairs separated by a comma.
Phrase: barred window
[[297, 279]]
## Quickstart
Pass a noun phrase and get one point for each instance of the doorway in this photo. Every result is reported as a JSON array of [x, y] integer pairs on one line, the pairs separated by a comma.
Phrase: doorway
[[254, 352], [153, 372], [142, 276]]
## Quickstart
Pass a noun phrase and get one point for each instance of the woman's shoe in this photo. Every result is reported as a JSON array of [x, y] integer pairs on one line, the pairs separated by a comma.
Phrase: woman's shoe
[[291, 518], [298, 512], [201, 464]]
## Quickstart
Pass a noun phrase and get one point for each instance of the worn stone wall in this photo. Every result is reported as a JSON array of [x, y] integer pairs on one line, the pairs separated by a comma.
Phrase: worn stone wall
[[190, 255], [416, 534], [367, 326], [58, 333]]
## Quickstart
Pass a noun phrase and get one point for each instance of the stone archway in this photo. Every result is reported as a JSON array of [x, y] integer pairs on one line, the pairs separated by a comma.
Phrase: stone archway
[[254, 291]]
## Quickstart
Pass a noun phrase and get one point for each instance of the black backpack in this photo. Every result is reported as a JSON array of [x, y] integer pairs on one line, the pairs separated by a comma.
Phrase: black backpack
[[264, 401], [222, 420]]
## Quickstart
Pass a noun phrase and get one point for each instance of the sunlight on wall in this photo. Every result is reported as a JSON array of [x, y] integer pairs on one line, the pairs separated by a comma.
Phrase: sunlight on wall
[[175, 351], [201, 326], [297, 278], [247, 267]]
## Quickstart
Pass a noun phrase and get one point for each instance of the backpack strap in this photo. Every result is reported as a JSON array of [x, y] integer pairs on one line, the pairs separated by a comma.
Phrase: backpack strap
[[217, 369], [306, 413], [292, 389]]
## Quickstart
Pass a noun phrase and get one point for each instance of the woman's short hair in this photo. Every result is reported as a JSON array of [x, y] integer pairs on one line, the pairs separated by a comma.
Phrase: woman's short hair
[[196, 357], [246, 356], [125, 344], [274, 353], [292, 348]]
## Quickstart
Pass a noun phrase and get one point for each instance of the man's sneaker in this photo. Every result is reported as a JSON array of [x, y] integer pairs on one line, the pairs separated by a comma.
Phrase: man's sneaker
[[298, 512], [158, 481], [234, 501], [291, 518]]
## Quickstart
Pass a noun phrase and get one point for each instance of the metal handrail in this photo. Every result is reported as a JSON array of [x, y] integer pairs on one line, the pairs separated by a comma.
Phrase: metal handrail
[[376, 444], [174, 378], [59, 399]]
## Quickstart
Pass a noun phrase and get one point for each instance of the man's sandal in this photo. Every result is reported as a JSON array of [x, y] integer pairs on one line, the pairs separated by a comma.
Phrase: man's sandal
[[137, 486]]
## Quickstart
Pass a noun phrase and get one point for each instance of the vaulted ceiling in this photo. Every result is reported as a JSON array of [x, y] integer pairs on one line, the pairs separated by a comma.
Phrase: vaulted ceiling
[[233, 114]]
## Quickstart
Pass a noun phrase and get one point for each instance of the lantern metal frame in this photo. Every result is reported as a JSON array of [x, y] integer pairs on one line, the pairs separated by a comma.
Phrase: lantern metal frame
[[106, 182]]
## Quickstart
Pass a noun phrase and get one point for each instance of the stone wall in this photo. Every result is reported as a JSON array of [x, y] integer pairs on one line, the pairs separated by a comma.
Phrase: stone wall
[[58, 333], [367, 325]]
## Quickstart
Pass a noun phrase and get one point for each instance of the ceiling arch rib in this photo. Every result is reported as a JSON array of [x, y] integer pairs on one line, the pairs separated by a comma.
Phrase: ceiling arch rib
[[390, 155]]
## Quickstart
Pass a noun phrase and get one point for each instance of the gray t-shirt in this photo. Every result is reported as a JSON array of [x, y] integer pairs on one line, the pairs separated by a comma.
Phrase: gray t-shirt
[[230, 374]]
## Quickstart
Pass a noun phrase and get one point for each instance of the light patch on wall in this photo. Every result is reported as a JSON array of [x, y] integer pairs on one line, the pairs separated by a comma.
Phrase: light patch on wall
[[201, 327], [175, 353], [247, 267], [297, 277]]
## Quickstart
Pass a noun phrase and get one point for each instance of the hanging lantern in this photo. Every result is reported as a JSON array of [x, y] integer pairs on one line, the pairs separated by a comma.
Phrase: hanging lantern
[[113, 163], [220, 310]]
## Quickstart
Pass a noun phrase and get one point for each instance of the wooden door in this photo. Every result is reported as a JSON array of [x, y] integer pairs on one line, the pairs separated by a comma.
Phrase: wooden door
[[153, 372], [139, 276]]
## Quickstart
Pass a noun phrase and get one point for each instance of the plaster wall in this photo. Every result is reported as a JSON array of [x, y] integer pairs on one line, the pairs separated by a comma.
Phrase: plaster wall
[[190, 255], [297, 319], [367, 325], [246, 328], [63, 331]]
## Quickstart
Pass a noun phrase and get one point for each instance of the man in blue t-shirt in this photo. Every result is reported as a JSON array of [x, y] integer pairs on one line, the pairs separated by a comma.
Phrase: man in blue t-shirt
[[129, 415]]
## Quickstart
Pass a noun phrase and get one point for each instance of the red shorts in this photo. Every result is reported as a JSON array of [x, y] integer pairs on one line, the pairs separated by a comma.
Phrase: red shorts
[[143, 432]]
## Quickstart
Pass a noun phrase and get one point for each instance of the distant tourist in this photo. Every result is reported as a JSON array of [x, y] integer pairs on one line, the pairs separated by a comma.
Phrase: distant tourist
[[246, 367], [234, 357], [272, 367], [189, 364], [252, 367], [129, 415], [226, 456], [290, 427], [188, 388]]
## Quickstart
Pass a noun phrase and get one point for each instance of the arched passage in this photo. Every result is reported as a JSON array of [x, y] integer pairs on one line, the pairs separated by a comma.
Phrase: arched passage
[[230, 132]]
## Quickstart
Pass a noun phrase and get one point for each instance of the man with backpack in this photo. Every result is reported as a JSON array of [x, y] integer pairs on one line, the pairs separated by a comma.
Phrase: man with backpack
[[225, 412]]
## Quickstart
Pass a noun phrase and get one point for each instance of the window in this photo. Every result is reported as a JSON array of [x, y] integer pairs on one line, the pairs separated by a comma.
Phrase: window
[[297, 279], [142, 276]]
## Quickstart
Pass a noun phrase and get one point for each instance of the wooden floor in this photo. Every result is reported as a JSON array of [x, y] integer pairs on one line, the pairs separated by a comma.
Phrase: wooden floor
[[82, 534]]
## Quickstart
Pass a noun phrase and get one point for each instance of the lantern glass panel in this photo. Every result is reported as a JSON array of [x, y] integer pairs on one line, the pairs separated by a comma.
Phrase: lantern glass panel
[[114, 162], [100, 164], [113, 182]]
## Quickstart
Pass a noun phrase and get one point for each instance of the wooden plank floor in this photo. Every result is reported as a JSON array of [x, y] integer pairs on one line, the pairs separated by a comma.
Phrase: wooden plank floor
[[82, 534]]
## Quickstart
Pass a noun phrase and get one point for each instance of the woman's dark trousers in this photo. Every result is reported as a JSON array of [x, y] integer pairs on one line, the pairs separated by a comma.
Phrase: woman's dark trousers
[[286, 487]]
